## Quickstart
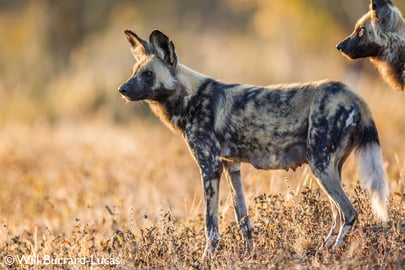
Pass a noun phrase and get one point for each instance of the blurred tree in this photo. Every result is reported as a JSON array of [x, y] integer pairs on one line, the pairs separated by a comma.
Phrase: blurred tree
[[68, 22], [223, 15]]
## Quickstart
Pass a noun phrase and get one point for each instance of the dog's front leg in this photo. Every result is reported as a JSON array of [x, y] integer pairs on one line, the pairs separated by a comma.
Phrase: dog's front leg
[[206, 152], [211, 195]]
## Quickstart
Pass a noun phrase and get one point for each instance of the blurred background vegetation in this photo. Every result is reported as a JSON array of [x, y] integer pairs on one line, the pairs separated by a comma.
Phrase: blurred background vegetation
[[65, 59]]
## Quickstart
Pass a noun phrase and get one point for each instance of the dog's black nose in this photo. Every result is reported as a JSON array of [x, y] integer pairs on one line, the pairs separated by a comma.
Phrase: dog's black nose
[[123, 89], [339, 46]]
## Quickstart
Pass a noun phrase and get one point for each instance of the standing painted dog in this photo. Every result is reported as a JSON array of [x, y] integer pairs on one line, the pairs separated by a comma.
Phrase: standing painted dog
[[380, 35], [273, 127]]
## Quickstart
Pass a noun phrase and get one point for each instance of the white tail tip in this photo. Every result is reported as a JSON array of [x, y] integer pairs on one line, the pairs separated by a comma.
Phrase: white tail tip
[[373, 177]]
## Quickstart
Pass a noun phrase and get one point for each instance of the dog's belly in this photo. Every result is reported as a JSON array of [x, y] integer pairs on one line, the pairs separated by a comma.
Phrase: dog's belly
[[270, 158]]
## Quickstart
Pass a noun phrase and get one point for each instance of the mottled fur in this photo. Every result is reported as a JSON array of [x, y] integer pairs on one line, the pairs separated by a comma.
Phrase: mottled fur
[[380, 35], [273, 127]]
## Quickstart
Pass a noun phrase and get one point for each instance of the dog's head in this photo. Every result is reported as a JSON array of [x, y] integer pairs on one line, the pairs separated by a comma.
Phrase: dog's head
[[153, 74], [368, 37]]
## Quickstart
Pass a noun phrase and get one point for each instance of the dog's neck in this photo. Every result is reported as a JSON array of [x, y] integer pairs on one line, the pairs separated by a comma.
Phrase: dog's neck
[[393, 72], [171, 108], [189, 79], [391, 63]]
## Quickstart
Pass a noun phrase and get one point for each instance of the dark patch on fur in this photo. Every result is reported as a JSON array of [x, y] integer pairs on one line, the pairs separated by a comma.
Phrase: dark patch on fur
[[368, 134]]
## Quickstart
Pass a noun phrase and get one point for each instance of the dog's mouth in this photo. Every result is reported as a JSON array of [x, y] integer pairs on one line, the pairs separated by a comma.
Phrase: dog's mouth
[[131, 97], [128, 99], [348, 57], [344, 53], [341, 48]]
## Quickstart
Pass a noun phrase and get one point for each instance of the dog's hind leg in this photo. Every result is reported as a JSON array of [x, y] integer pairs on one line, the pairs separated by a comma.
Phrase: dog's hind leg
[[337, 214], [331, 184], [330, 141], [232, 172]]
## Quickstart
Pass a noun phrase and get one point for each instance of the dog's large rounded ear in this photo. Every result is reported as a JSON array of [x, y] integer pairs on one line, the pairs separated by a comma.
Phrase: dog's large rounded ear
[[139, 47], [381, 8], [161, 46]]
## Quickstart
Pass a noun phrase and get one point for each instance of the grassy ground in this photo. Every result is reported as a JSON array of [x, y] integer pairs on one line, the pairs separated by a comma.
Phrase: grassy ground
[[93, 193]]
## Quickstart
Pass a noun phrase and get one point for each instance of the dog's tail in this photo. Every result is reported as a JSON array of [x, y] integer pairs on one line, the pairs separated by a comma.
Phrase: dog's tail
[[371, 167]]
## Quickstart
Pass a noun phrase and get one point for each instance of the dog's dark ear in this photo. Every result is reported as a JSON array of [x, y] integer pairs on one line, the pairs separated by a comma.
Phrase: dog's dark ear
[[381, 8], [161, 46], [139, 47]]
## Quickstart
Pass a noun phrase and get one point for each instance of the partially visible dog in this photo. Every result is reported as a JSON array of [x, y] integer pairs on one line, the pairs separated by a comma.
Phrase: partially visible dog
[[380, 35]]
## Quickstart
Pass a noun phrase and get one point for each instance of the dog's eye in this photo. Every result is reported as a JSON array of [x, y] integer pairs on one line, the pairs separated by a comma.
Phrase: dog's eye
[[147, 74]]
